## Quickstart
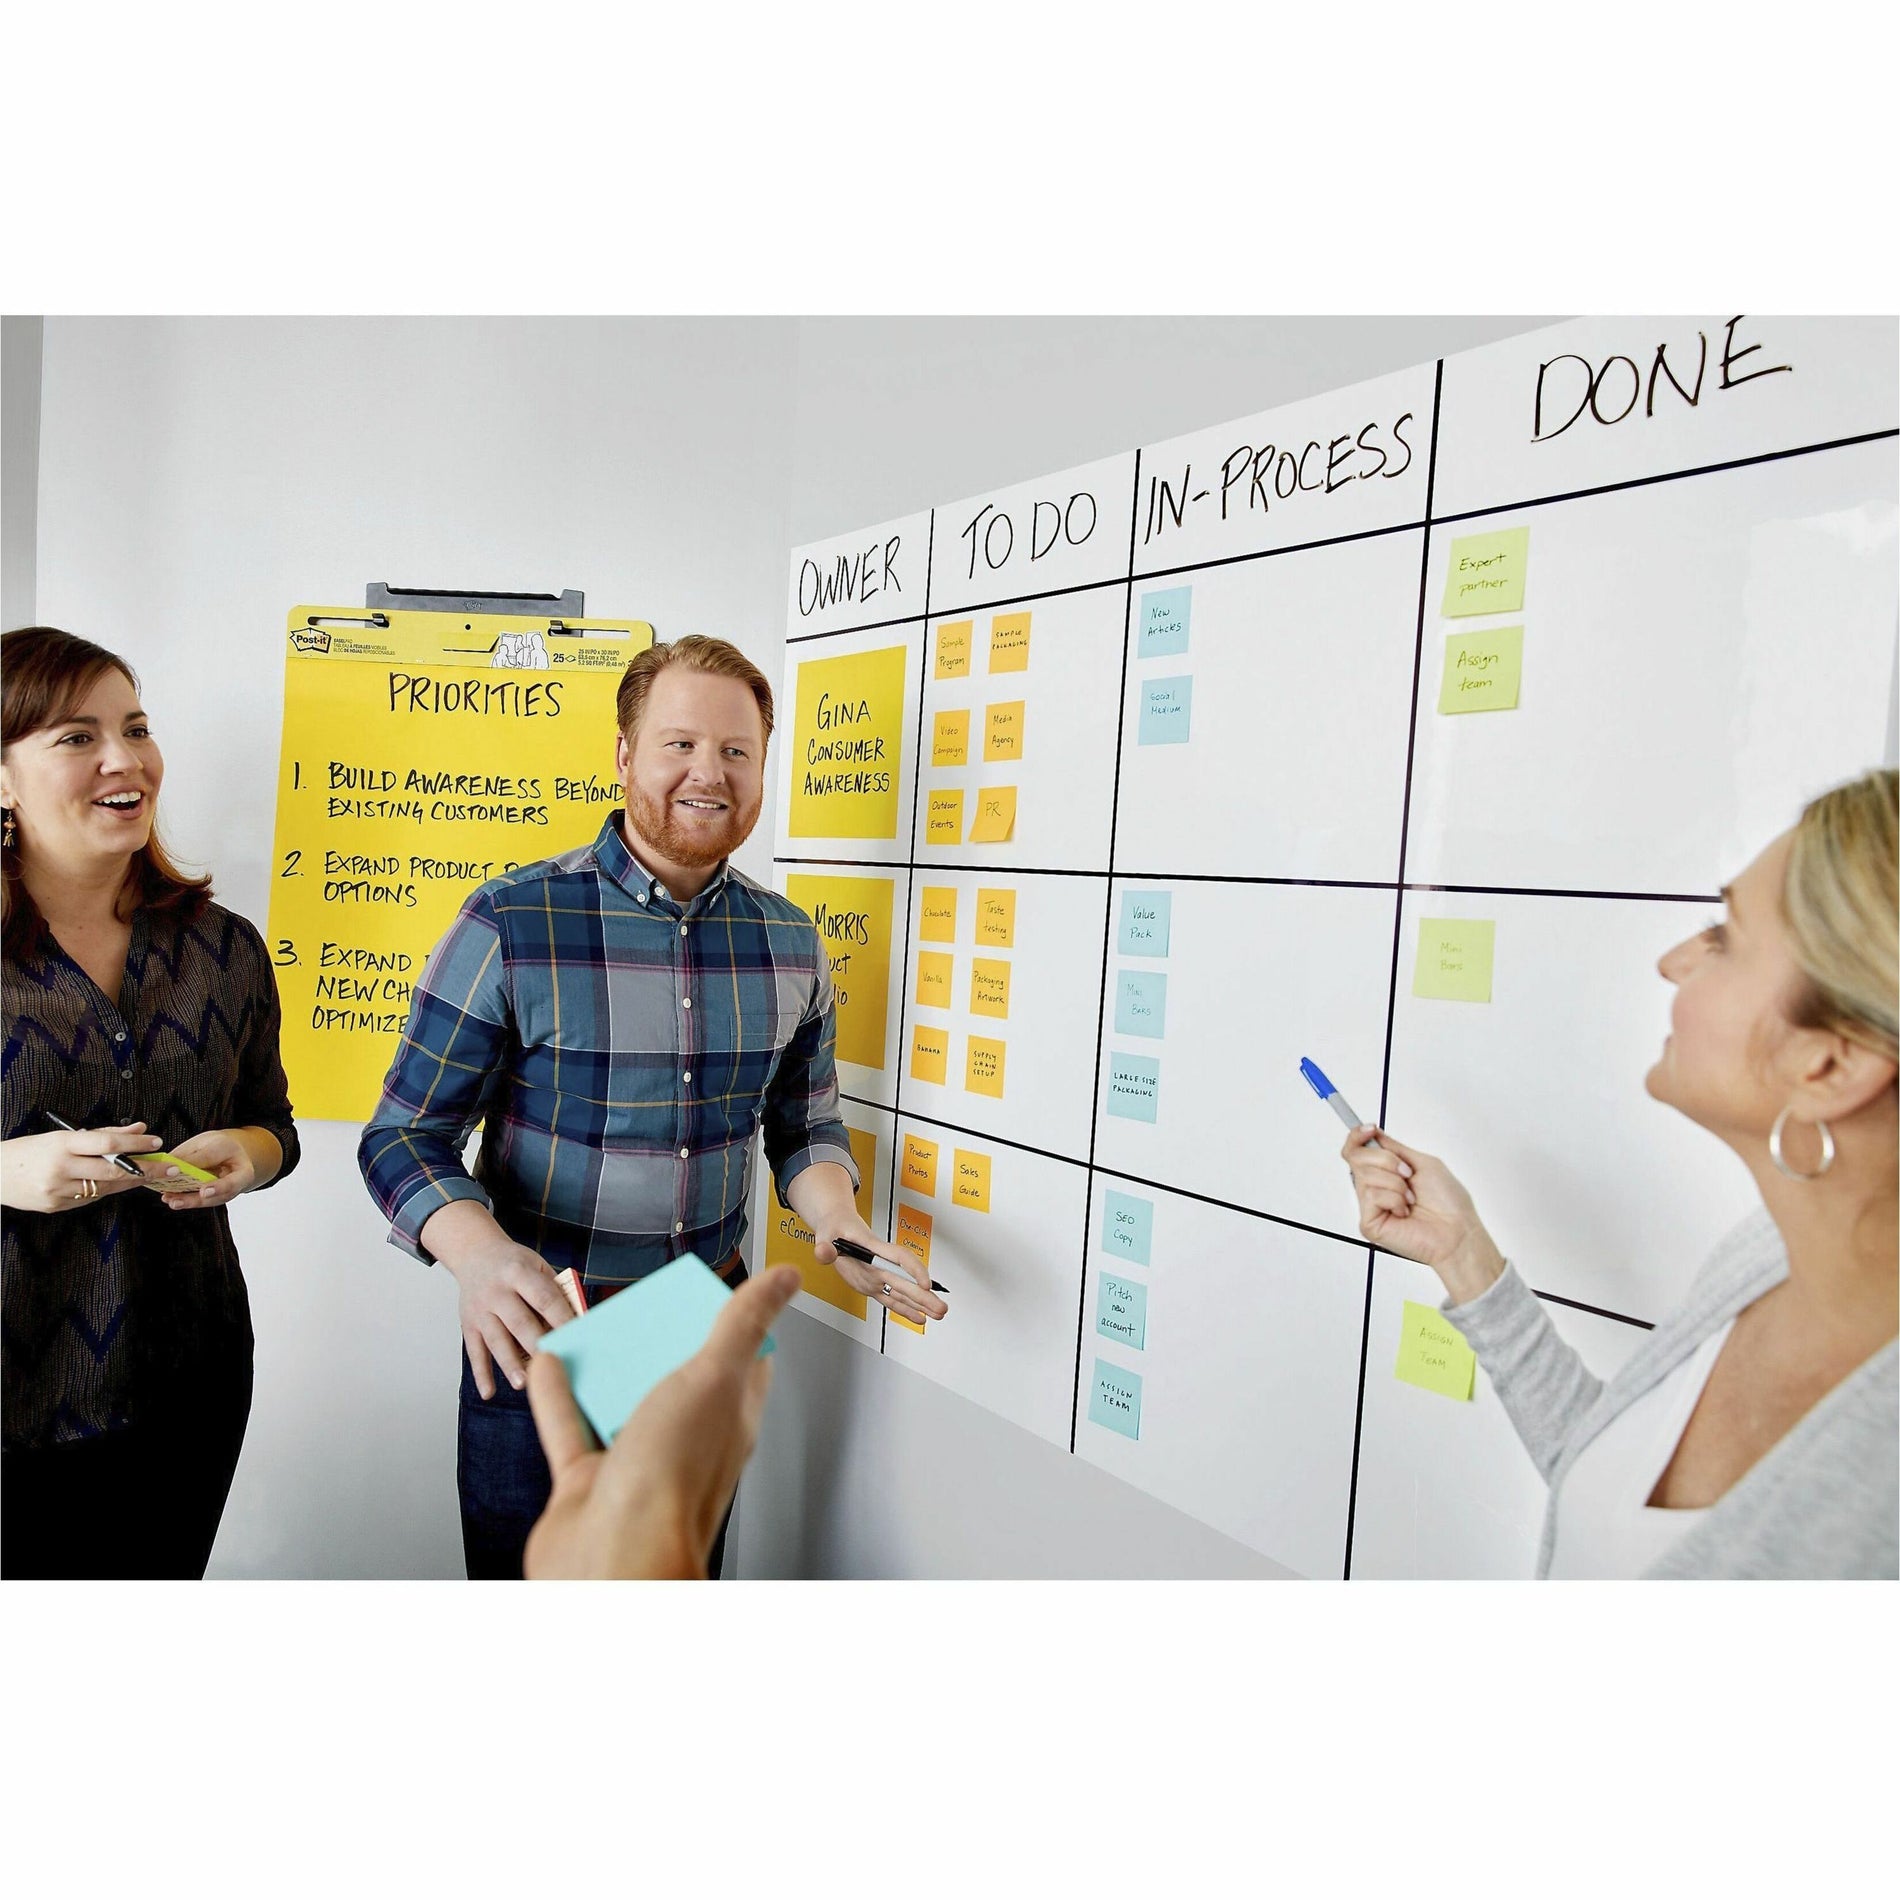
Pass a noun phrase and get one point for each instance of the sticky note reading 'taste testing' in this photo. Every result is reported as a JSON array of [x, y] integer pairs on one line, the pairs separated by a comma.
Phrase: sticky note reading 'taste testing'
[[1454, 959], [1433, 1353]]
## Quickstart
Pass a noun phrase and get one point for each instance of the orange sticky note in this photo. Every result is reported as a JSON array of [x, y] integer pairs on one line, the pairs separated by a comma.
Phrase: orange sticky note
[[995, 918], [1002, 731], [950, 738], [995, 813], [919, 1170], [1009, 643], [945, 823], [935, 969], [913, 1231], [970, 1180], [937, 919], [983, 1067], [929, 1054], [989, 987], [953, 649]]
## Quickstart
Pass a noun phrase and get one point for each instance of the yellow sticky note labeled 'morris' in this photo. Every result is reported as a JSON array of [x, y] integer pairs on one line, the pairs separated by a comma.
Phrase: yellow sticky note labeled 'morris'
[[970, 1180], [853, 915], [929, 1054], [953, 649], [935, 971], [1003, 731], [1454, 959], [848, 739], [983, 1066], [918, 1171], [989, 987], [995, 814], [944, 825], [1433, 1353], [1009, 643], [937, 914], [1482, 671], [1485, 574], [950, 738], [995, 919]]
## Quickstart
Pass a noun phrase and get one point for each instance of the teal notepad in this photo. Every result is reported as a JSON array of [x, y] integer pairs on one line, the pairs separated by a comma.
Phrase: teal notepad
[[618, 1351]]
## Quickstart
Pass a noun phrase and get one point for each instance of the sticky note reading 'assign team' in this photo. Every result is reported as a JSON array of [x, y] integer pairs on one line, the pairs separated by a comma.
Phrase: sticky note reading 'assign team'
[[1433, 1353], [1163, 626], [1145, 920], [1116, 1400], [1454, 959], [1121, 1310], [1482, 671], [1485, 574], [1134, 1087], [1167, 711], [1128, 1225]]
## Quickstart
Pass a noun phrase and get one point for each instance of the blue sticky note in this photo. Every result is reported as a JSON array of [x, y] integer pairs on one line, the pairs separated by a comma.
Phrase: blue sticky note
[[1141, 1003], [1164, 622], [1145, 922], [1167, 710], [1116, 1400], [1133, 1084], [1128, 1226], [618, 1351], [1121, 1310]]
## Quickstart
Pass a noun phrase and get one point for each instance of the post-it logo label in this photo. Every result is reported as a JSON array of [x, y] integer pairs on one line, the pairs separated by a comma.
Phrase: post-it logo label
[[1454, 959]]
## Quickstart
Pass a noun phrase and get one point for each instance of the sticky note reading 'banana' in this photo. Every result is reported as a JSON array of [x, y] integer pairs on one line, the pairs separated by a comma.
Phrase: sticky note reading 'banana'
[[929, 1054]]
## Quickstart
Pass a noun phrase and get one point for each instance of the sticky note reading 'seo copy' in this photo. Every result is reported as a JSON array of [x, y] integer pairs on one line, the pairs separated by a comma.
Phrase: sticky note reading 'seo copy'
[[1454, 959], [1167, 711], [1482, 671], [1145, 920], [1128, 1225], [1485, 574], [1163, 626], [1433, 1353], [1116, 1400]]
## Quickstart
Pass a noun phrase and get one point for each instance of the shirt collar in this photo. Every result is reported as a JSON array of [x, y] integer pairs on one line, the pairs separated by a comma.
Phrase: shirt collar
[[636, 880]]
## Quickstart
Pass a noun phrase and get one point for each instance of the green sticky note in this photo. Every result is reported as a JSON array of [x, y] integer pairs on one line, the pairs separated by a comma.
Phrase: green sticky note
[[618, 1351], [1454, 959], [1486, 572], [1433, 1353], [1482, 670]]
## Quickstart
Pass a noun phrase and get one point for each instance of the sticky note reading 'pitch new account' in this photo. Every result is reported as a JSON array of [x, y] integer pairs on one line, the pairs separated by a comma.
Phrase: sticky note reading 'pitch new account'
[[1128, 1225], [1454, 959], [1145, 920], [1163, 627], [1116, 1400], [995, 814], [1486, 572], [1433, 1353], [1121, 1310], [1482, 670], [1167, 710]]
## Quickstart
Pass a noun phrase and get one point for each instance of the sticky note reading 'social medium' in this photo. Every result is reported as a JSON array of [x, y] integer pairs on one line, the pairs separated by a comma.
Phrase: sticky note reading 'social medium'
[[1454, 959], [1167, 711]]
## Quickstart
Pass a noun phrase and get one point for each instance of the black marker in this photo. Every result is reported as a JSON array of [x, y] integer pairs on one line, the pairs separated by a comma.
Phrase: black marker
[[852, 1251], [118, 1161]]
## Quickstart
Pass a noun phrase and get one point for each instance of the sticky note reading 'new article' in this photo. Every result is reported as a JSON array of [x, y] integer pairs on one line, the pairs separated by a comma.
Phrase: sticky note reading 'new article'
[[1134, 1084], [1121, 1310], [1145, 920], [1433, 1353], [953, 649], [1454, 959], [1486, 572], [1116, 1400], [1167, 711], [1128, 1225], [950, 738], [1482, 671], [1141, 1003], [995, 814], [1163, 627]]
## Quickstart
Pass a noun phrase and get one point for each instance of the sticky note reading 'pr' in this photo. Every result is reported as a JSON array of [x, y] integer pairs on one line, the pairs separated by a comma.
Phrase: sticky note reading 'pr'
[[929, 1054], [1482, 671], [937, 914], [1009, 643], [1433, 1353], [995, 814], [950, 738], [1134, 1084], [996, 919], [1144, 923], [1121, 1310], [1454, 959], [970, 1181], [1485, 574], [1128, 1225], [919, 1173], [1116, 1400], [953, 649], [945, 822], [1167, 711], [1141, 1003], [1163, 626]]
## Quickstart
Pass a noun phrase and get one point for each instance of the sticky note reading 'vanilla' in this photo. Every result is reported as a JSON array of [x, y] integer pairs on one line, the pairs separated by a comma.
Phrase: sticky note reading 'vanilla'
[[950, 738], [970, 1181], [989, 987], [983, 1066], [1009, 643], [945, 822], [996, 919], [1433, 1353], [995, 814], [953, 649], [937, 914], [935, 970], [1454, 959], [1481, 671], [929, 1054], [919, 1171], [1485, 574], [1003, 731], [1116, 1400]]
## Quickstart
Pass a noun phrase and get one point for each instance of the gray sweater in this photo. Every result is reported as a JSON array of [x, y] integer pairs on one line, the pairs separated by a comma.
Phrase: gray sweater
[[1824, 1502]]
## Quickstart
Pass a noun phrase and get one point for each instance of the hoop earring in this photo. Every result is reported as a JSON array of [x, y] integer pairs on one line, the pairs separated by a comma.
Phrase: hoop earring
[[1780, 1160]]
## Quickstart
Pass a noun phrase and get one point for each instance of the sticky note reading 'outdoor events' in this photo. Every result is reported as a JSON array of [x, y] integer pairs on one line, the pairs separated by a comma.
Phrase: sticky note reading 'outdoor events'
[[953, 649], [1454, 959], [1121, 1310], [937, 914], [1481, 671], [983, 1066], [995, 814], [1163, 627], [1003, 731], [989, 987], [1141, 1003], [1485, 574], [996, 919], [1009, 643], [919, 1173], [1167, 710], [945, 823], [950, 738], [935, 969], [1433, 1353], [1144, 923], [1134, 1084], [1116, 1400], [1128, 1225], [929, 1054], [970, 1181]]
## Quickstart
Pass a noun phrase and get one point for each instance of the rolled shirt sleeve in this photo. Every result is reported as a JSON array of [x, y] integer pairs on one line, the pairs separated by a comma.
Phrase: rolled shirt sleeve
[[801, 1119]]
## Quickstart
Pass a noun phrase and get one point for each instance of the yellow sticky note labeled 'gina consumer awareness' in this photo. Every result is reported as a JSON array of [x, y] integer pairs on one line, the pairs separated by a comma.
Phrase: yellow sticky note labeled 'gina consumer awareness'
[[1454, 959], [953, 649], [1009, 643], [970, 1180], [929, 1054], [944, 825], [950, 738], [995, 919], [935, 969], [1433, 1353], [1482, 671], [983, 1066], [937, 914], [995, 814], [848, 736]]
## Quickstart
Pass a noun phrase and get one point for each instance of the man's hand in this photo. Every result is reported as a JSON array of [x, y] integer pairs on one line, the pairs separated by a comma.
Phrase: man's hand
[[508, 1294], [821, 1197], [651, 1506]]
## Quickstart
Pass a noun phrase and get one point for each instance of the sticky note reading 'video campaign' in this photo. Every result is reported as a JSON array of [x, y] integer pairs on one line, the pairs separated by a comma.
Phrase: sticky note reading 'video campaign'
[[1163, 626], [1485, 574], [1454, 959], [950, 738], [1482, 671], [1433, 1353]]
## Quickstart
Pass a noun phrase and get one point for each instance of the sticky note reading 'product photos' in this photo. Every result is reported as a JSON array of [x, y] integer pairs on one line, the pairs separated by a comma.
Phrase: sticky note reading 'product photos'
[[929, 1054], [995, 814], [983, 1066], [989, 987], [1003, 731], [935, 970], [1167, 710], [1482, 670], [970, 1181], [1454, 959], [950, 738], [1145, 920], [919, 1172], [1128, 1225], [937, 914], [1163, 626], [1116, 1400], [1121, 1310], [953, 649], [1141, 1003], [1433, 1353], [1485, 574], [1134, 1084], [996, 919], [1009, 643], [945, 822]]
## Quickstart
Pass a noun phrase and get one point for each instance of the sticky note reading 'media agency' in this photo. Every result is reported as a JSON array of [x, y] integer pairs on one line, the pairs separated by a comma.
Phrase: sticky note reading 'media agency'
[[1485, 574], [1482, 671], [1454, 959], [1003, 730], [1433, 1353]]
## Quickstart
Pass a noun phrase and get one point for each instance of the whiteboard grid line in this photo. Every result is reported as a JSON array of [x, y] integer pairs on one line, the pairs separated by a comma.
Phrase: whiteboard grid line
[[869, 626]]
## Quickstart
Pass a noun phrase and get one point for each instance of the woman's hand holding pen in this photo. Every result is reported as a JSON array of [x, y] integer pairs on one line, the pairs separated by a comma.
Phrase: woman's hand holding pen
[[70, 1167], [1412, 1205]]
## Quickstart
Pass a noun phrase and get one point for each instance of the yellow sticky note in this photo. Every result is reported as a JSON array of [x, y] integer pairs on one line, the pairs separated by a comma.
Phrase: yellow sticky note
[[950, 738], [937, 914], [1003, 731], [970, 1180], [789, 1241], [953, 649], [1009, 643], [929, 1054], [847, 746], [1482, 671], [918, 1170], [944, 825], [989, 987], [1485, 574], [1454, 959], [983, 1067], [909, 1325], [995, 813], [853, 915], [935, 969], [1433, 1353], [913, 1231], [995, 918]]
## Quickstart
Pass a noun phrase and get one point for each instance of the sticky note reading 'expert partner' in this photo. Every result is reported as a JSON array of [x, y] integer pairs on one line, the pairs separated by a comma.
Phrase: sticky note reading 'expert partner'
[[953, 649], [618, 1351], [1485, 574], [1433, 1353], [950, 738], [1116, 1400], [1167, 711], [1163, 626], [1481, 671], [1454, 959], [995, 814]]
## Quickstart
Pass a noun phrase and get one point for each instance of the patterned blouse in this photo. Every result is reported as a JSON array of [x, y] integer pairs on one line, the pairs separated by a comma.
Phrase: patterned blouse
[[114, 1304]]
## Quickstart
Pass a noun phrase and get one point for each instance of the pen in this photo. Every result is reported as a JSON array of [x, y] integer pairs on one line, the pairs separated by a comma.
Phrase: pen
[[851, 1250], [1316, 1076], [118, 1161]]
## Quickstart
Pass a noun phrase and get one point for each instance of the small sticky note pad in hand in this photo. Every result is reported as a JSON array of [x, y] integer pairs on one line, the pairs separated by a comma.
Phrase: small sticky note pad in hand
[[1433, 1353], [161, 1160], [618, 1351]]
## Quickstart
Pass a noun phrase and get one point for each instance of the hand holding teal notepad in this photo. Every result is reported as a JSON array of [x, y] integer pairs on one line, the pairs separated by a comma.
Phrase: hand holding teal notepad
[[618, 1351]]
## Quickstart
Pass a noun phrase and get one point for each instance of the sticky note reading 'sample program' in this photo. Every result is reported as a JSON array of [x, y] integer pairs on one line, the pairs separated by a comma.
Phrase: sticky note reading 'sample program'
[[1454, 959], [953, 649], [1482, 671], [1485, 574], [1433, 1353]]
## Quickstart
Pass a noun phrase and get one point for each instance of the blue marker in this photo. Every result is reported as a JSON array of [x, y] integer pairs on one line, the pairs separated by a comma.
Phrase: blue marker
[[1331, 1096]]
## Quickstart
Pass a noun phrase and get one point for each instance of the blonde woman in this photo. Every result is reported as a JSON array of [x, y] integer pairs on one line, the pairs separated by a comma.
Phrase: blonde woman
[[1753, 1434]]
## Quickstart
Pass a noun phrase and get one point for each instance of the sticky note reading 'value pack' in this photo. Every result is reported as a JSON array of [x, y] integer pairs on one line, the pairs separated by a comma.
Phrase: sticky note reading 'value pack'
[[1145, 920], [937, 914], [970, 1180], [1454, 958], [1116, 1400], [1128, 1225], [1167, 710], [1009, 643], [929, 1054], [945, 822], [1134, 1084], [953, 649], [1486, 572], [1141, 1003], [995, 814], [1163, 627], [618, 1351], [983, 1066], [935, 969], [989, 987], [1003, 731], [1121, 1310], [1433, 1353], [996, 919], [1482, 670], [950, 738], [919, 1173]]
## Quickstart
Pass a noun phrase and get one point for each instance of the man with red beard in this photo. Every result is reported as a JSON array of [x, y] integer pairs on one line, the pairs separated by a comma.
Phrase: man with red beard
[[619, 1019]]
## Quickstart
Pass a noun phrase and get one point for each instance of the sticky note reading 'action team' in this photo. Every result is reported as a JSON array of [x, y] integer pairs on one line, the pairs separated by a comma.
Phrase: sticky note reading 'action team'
[[1134, 1084], [1116, 1400], [970, 1181], [995, 814], [1163, 626], [919, 1170], [1009, 643], [1167, 711], [953, 649], [944, 825], [1128, 1224], [935, 971], [983, 1066], [1003, 731], [847, 746], [1486, 572], [989, 987], [1481, 671], [929, 1054], [1141, 1003], [950, 738], [1454, 959], [853, 915], [996, 919], [1433, 1353], [1144, 923], [937, 914]]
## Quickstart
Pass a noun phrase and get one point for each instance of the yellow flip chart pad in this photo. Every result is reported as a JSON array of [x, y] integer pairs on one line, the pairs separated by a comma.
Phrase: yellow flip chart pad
[[989, 987], [847, 745], [419, 759], [1485, 574], [1433, 1353], [944, 825], [790, 1241], [1482, 670], [853, 915], [950, 738], [937, 914], [1454, 958], [929, 1054], [996, 919], [970, 1180], [918, 1169], [1009, 643], [983, 1066], [1003, 731], [935, 970], [995, 814], [953, 649]]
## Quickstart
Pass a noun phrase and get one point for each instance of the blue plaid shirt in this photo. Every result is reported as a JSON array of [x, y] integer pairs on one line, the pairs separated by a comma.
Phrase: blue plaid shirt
[[620, 1050]]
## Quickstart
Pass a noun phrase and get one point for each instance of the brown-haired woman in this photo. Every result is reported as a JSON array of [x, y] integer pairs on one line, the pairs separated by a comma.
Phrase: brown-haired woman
[[146, 1017]]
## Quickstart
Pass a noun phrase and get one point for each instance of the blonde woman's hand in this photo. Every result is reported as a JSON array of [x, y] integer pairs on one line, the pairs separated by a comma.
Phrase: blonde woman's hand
[[1412, 1205], [49, 1174]]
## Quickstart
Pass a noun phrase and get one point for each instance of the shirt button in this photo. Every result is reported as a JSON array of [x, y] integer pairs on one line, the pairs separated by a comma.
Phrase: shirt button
[[679, 1227], [686, 1154], [660, 890], [687, 1077], [126, 1073], [639, 897], [686, 1002], [682, 930], [120, 1037]]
